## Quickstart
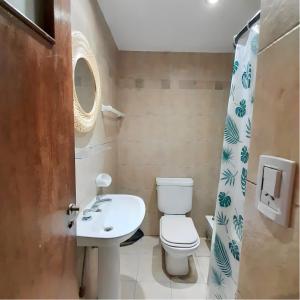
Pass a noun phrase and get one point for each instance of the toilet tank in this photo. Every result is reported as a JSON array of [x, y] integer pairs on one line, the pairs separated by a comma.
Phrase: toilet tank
[[174, 195]]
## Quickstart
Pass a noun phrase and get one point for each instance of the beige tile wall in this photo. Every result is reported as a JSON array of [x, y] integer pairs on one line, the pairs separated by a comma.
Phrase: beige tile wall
[[105, 132], [175, 106], [87, 18], [277, 18], [270, 253]]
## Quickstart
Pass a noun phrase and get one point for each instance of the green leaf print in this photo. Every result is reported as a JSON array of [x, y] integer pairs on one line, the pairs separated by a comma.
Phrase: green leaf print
[[227, 155], [247, 76], [224, 199], [222, 220], [248, 129], [232, 92], [235, 67], [240, 111], [234, 248], [244, 155], [221, 257], [217, 277], [231, 132], [238, 223], [228, 177], [244, 180]]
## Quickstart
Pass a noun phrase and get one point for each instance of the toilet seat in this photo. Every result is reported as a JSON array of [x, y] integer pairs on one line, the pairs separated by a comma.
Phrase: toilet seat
[[178, 231], [179, 246]]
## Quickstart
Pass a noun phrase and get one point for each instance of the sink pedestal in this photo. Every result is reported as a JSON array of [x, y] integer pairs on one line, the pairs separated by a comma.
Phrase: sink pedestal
[[105, 223], [109, 272]]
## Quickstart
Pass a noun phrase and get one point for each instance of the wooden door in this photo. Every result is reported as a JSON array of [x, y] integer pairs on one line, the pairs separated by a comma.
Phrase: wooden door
[[37, 174]]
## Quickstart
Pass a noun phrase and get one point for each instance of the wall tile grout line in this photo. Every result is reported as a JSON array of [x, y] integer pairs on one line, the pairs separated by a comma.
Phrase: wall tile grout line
[[278, 39]]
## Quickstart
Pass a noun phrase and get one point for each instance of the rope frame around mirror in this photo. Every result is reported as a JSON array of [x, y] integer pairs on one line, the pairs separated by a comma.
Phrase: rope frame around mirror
[[85, 121]]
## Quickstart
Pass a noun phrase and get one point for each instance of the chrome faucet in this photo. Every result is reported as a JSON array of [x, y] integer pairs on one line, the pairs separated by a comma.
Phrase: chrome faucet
[[100, 200], [92, 209]]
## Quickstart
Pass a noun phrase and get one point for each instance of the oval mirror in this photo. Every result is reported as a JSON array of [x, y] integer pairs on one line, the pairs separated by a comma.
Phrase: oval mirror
[[86, 84]]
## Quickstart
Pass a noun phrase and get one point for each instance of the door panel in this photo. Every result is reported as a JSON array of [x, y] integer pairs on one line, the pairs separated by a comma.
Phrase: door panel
[[37, 174]]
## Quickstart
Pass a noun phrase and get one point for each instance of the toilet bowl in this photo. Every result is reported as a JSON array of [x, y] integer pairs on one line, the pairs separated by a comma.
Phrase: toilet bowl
[[179, 239], [178, 235]]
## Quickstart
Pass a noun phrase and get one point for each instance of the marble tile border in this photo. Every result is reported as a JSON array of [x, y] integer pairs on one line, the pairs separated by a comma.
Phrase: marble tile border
[[185, 84]]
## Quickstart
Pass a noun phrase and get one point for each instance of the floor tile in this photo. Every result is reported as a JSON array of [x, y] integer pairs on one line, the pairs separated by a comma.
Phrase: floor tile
[[143, 275], [151, 269], [150, 245], [188, 291], [128, 266], [194, 275], [152, 290], [203, 267], [128, 289], [146, 245], [204, 248], [131, 249]]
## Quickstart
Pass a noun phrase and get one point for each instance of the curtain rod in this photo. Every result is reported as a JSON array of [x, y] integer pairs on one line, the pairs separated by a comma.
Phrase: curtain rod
[[246, 28]]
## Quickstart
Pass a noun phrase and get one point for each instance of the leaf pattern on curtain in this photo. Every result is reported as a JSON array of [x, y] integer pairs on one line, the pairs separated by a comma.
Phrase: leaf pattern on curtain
[[217, 277], [238, 222], [235, 66], [224, 199], [229, 221], [221, 257], [244, 155], [247, 77], [231, 132], [248, 129], [227, 156], [222, 220], [229, 177], [244, 181], [234, 248], [240, 111]]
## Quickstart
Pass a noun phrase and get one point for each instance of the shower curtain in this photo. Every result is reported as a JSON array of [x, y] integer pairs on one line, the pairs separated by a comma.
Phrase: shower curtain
[[228, 221]]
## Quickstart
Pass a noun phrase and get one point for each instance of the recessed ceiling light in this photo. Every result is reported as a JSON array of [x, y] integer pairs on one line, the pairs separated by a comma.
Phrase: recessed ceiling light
[[212, 1]]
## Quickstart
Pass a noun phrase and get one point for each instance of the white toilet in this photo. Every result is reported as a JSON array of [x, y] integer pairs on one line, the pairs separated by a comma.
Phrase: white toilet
[[178, 234]]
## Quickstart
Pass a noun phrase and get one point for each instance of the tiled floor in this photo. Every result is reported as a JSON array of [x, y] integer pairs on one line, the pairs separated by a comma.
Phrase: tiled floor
[[143, 277]]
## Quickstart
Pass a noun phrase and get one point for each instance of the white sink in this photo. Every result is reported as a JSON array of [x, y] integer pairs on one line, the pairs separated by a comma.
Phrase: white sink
[[117, 218]]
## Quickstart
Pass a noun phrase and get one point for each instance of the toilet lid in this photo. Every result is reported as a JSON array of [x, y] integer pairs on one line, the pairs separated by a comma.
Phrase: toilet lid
[[178, 230]]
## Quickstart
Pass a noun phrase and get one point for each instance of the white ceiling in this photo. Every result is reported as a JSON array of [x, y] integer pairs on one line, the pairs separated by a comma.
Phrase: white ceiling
[[176, 25]]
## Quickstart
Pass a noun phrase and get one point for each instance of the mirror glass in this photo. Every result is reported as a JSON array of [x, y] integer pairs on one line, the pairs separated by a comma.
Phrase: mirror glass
[[40, 12], [85, 85]]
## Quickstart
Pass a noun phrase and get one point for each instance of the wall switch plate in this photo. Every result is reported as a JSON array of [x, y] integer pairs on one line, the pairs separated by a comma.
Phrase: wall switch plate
[[271, 181], [275, 182]]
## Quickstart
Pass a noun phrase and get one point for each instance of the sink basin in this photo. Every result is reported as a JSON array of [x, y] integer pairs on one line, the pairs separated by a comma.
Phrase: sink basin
[[105, 223], [120, 217]]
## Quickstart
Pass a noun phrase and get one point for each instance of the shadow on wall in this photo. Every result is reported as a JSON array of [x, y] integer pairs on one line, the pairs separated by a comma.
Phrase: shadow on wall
[[107, 124]]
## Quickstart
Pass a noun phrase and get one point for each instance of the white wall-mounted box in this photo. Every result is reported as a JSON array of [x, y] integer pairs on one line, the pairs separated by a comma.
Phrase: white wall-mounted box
[[275, 181]]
